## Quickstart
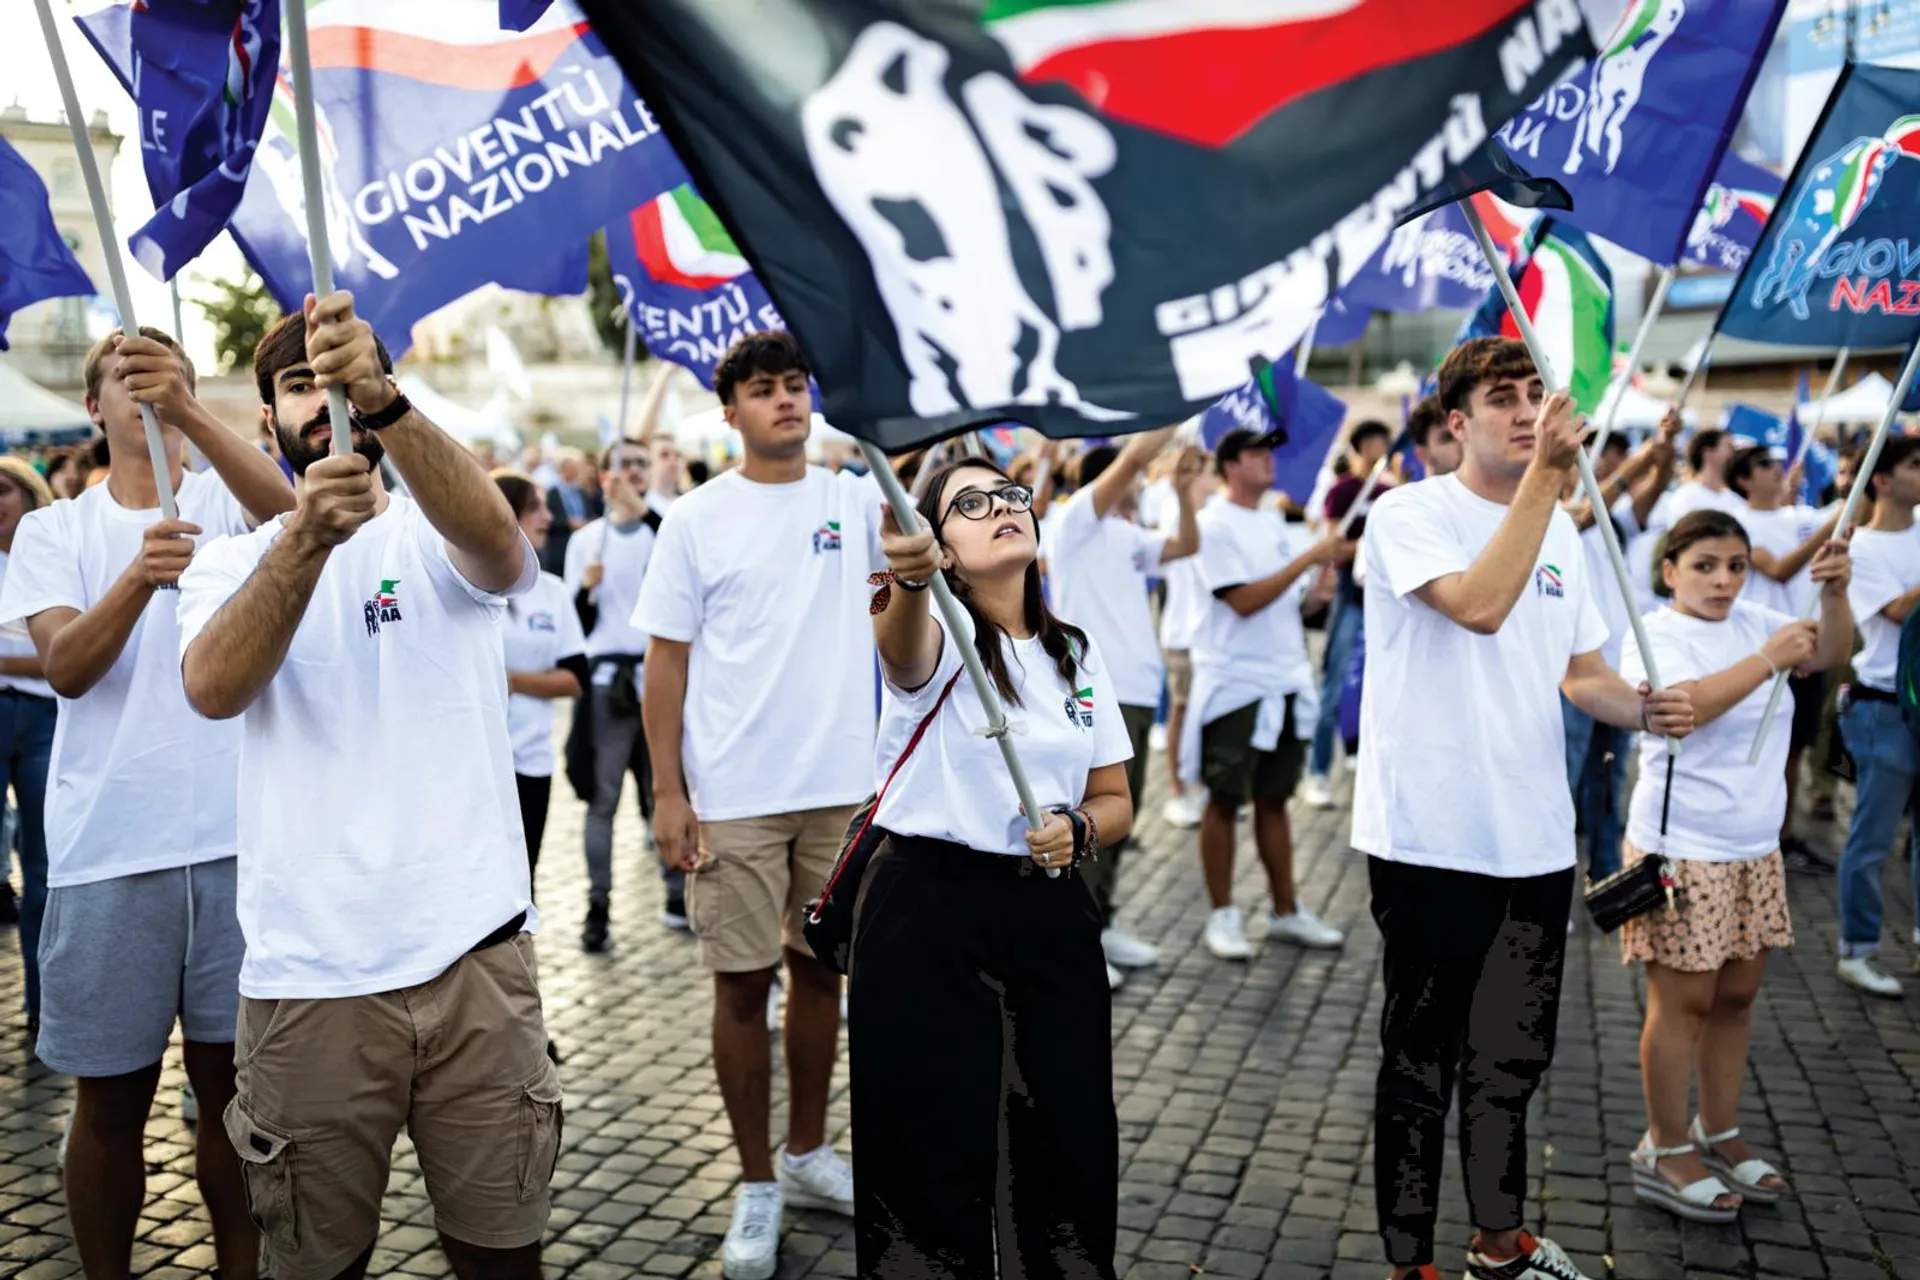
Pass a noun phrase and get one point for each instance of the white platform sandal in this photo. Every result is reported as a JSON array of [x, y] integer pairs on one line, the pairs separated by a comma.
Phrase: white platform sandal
[[1694, 1202], [1745, 1177]]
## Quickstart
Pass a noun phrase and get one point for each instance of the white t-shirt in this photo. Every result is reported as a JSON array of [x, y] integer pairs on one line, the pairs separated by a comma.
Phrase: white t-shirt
[[1885, 567], [624, 555], [1462, 745], [1186, 601], [1605, 592], [955, 786], [1099, 568], [1780, 532], [1158, 507], [379, 824], [1264, 654], [538, 630], [1694, 496], [768, 583], [136, 782], [15, 642], [1723, 809]]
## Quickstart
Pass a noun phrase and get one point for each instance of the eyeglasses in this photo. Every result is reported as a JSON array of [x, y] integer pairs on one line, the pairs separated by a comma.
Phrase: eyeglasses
[[977, 504], [634, 464]]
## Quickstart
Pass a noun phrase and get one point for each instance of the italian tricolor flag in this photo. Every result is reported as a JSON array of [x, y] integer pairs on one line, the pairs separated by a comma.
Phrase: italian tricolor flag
[[1568, 293], [1207, 71], [682, 242]]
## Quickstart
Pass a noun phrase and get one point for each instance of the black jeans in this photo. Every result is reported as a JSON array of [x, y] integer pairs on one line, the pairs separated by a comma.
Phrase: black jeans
[[982, 1071], [1472, 975]]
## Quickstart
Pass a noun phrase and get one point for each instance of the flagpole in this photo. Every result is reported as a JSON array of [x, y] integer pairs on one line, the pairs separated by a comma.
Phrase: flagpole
[[960, 634], [930, 461], [1588, 481], [1699, 367], [109, 248], [1306, 348], [1861, 479], [1654, 308], [1367, 487], [319, 252], [626, 375], [1819, 418]]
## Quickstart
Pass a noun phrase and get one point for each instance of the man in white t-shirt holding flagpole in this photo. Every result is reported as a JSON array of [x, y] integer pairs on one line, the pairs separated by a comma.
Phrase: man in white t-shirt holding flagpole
[[389, 981], [1479, 616], [759, 709]]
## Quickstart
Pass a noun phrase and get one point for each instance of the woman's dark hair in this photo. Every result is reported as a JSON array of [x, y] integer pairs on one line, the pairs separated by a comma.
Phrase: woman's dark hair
[[1063, 642], [1695, 526], [522, 494]]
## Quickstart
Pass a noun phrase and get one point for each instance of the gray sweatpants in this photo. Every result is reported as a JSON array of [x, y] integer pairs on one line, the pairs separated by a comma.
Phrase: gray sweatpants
[[614, 737]]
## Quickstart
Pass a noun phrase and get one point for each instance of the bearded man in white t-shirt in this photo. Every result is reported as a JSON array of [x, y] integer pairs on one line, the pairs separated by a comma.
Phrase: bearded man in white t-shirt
[[389, 980], [1479, 615], [760, 707], [140, 929]]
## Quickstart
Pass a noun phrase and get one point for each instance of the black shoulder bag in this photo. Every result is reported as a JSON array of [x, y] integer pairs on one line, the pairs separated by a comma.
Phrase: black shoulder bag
[[1640, 888]]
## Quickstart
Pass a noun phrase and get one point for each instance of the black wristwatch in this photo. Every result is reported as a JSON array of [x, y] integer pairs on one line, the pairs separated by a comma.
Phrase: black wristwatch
[[1079, 825], [398, 408]]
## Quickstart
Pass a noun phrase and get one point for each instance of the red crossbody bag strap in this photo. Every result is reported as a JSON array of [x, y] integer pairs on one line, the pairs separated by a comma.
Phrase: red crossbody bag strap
[[919, 732]]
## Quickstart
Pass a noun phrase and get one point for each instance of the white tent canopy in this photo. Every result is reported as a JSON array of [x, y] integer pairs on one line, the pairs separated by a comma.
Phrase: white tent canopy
[[469, 426], [1863, 402], [1637, 410], [31, 414]]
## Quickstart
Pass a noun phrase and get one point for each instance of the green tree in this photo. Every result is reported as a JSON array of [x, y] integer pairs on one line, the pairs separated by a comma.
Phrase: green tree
[[241, 312], [603, 296]]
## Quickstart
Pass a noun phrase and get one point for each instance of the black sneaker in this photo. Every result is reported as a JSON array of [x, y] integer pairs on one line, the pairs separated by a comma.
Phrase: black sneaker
[[593, 938], [1538, 1259], [1798, 856], [674, 914]]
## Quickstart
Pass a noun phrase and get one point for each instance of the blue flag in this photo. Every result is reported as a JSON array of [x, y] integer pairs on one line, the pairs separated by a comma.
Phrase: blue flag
[[35, 263], [1637, 134], [201, 73], [518, 15], [453, 154], [1821, 464], [1275, 399], [688, 289], [1738, 203], [1756, 427], [1839, 265], [1429, 264]]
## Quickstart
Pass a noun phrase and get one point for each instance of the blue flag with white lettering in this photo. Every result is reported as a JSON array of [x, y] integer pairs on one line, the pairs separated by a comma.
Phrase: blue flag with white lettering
[[35, 263], [1756, 427], [1839, 264], [1738, 203], [201, 73], [688, 289], [453, 154], [1637, 133], [1276, 399]]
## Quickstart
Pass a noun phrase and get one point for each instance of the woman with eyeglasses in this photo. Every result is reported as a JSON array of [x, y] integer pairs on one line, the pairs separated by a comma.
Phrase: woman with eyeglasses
[[982, 1076], [28, 713]]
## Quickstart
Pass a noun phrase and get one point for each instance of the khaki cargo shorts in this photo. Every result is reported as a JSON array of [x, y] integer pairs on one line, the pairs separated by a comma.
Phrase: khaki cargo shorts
[[326, 1086], [756, 876]]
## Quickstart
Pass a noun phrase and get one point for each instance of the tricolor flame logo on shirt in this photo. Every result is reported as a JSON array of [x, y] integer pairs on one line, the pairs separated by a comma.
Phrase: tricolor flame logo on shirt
[[681, 241], [1547, 581], [1079, 708]]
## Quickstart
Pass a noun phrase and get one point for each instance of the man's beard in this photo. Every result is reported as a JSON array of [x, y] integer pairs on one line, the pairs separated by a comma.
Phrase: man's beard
[[300, 454]]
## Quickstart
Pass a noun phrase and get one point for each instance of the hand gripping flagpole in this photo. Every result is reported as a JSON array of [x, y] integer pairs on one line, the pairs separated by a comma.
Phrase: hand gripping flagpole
[[1602, 519], [318, 250], [1654, 308], [1861, 479], [960, 631], [109, 247]]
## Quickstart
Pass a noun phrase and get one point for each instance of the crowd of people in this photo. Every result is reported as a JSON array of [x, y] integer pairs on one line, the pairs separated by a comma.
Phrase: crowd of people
[[305, 740]]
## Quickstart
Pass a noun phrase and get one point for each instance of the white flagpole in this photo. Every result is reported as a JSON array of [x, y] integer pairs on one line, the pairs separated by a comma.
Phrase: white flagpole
[[1588, 480], [626, 374], [1305, 355], [109, 247], [1861, 479], [1820, 417], [930, 461], [1367, 487], [960, 632], [1654, 308], [319, 252], [1699, 367]]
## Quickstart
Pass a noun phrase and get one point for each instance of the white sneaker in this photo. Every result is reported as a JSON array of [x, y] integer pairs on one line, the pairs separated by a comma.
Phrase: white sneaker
[[189, 1106], [1303, 928], [752, 1247], [1183, 811], [818, 1180], [1862, 974], [1127, 951], [1226, 936], [1318, 792], [1114, 978], [1157, 738]]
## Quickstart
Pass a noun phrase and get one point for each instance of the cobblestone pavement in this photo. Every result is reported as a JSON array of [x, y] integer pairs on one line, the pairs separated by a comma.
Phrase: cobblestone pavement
[[1243, 1089]]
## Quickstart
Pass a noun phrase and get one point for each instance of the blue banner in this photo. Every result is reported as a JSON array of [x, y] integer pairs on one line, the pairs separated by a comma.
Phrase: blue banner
[[1309, 414], [453, 155], [1429, 264], [1839, 265], [1738, 203], [1757, 427], [684, 281], [1637, 134], [35, 263], [518, 15]]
